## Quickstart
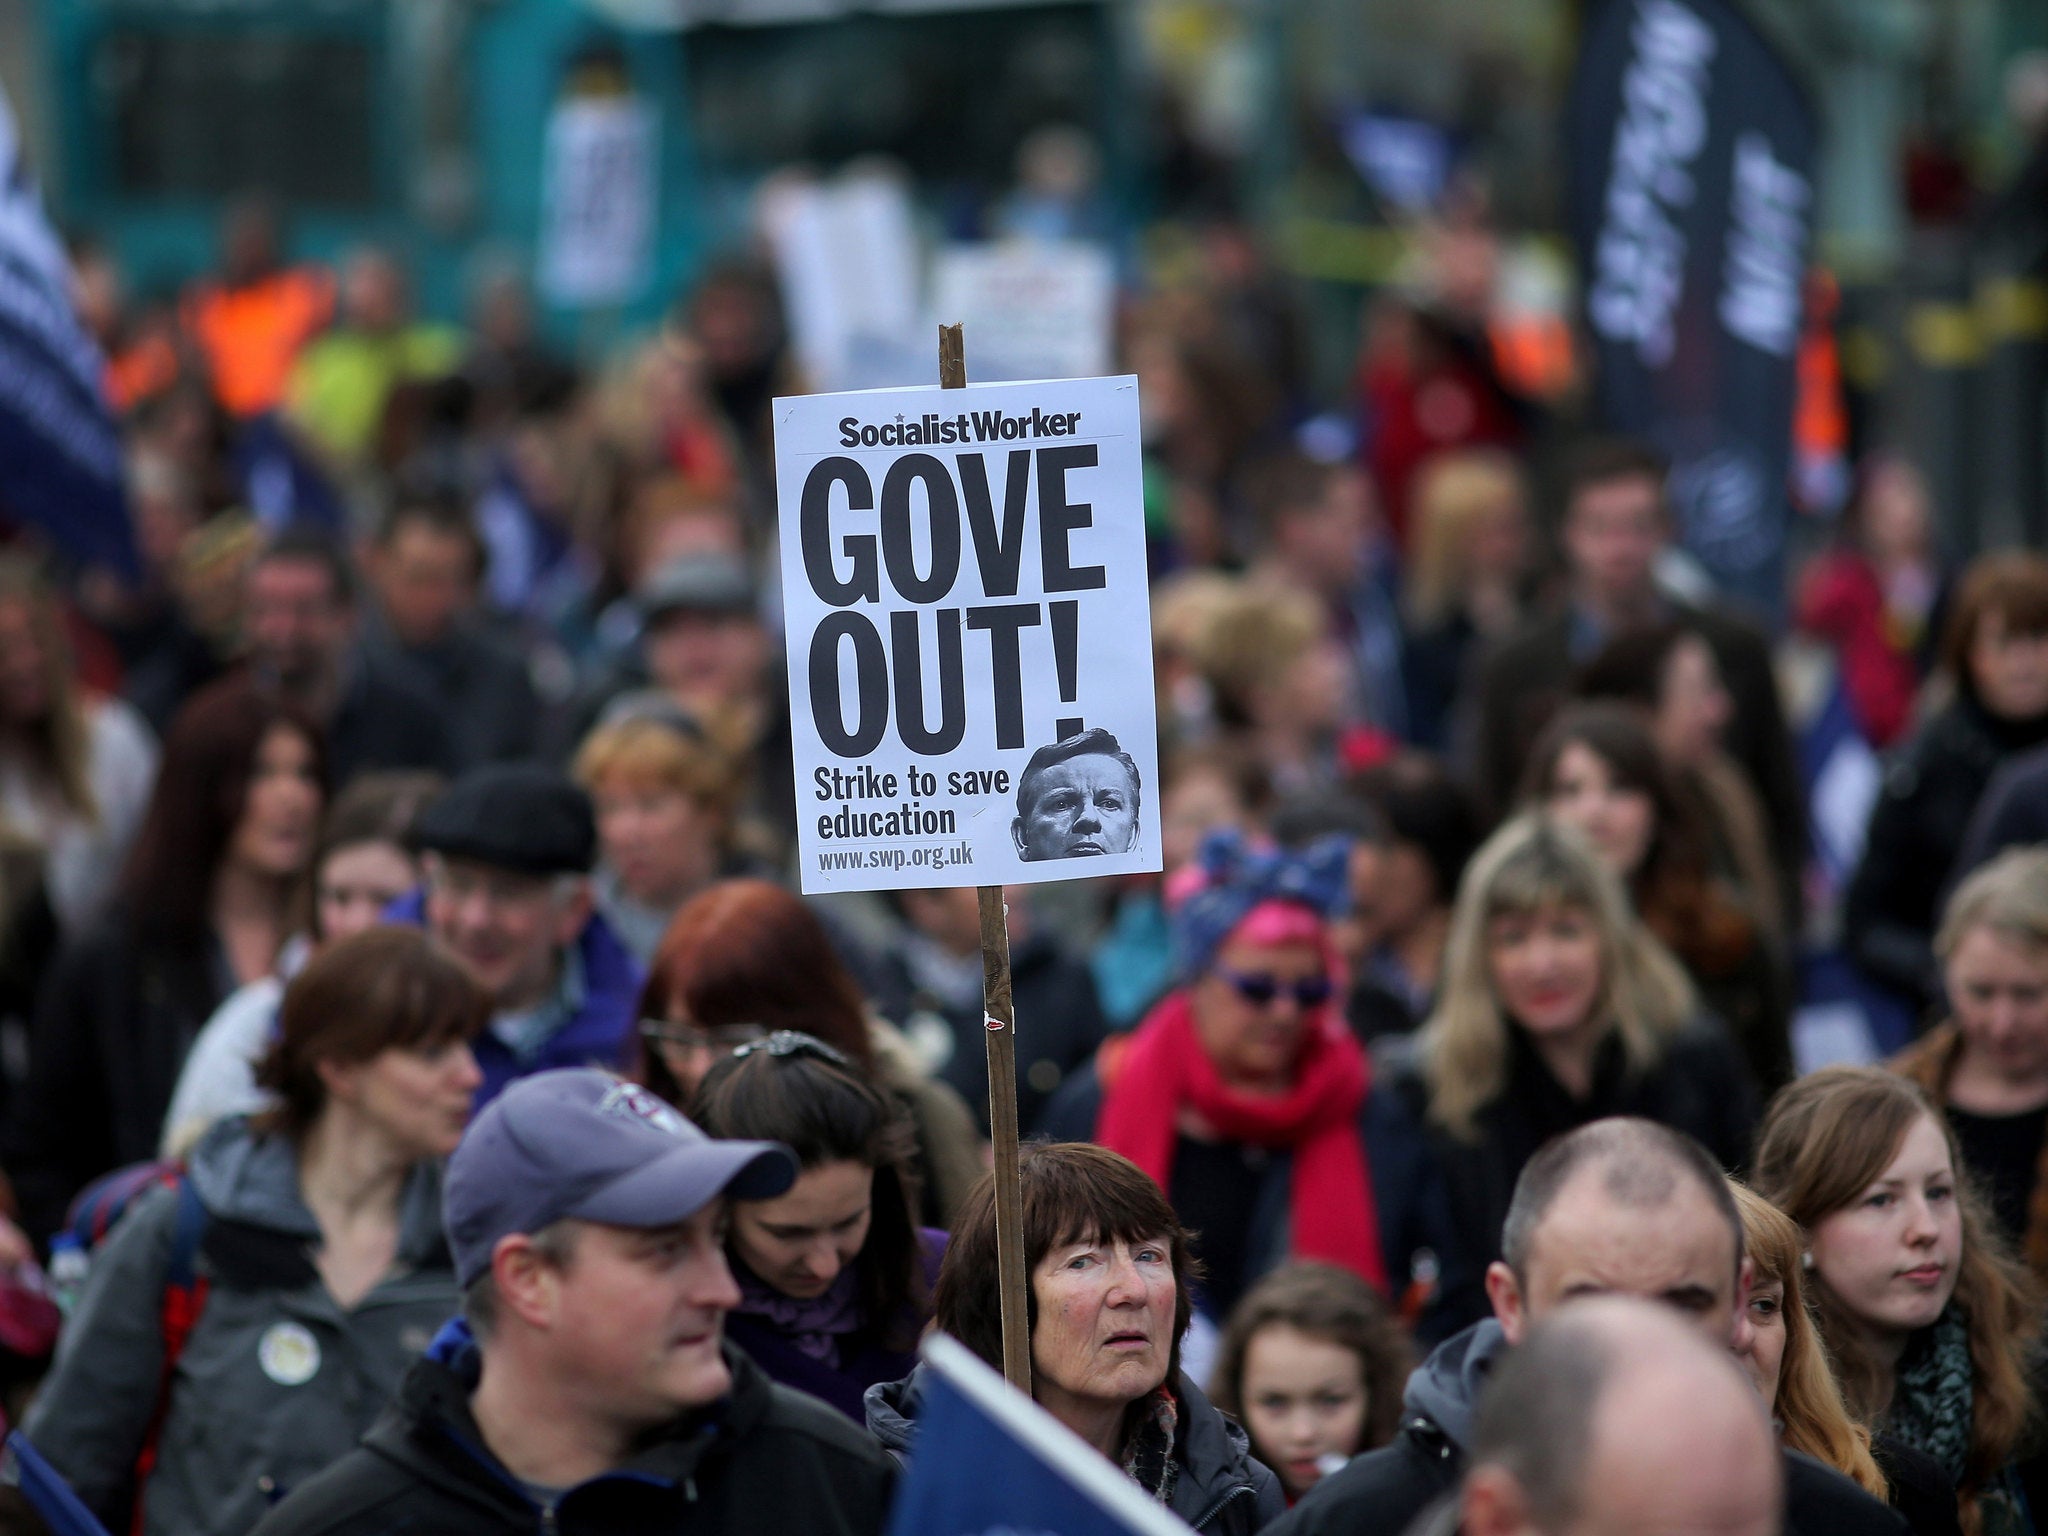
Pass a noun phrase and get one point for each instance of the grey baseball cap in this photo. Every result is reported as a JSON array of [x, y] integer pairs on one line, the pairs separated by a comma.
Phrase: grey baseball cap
[[580, 1143]]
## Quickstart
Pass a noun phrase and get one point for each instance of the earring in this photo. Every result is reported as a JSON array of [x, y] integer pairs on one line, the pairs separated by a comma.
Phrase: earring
[[1806, 1259]]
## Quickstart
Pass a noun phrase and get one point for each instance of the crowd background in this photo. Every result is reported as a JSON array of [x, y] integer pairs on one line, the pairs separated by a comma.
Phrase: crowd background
[[1485, 818]]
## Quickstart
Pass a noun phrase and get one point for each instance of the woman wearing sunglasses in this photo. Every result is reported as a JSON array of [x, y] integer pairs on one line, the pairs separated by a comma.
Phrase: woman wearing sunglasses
[[1559, 1007], [1246, 1096], [835, 1277]]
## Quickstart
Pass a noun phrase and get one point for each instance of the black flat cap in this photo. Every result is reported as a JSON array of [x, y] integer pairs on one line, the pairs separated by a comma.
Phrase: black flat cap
[[517, 816]]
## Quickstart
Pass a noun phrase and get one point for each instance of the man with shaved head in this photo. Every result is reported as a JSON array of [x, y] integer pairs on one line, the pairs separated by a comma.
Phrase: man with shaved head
[[1619, 1207], [1614, 1418]]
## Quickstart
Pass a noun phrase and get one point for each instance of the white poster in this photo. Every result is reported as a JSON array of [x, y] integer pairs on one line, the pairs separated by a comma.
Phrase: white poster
[[1031, 309], [599, 192], [969, 635], [847, 254]]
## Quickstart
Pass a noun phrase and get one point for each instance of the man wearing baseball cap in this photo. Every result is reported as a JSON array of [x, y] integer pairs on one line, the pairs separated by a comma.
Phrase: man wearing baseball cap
[[506, 851], [589, 1388]]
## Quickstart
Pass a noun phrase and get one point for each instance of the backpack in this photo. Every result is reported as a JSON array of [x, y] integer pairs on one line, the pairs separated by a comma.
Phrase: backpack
[[96, 1211]]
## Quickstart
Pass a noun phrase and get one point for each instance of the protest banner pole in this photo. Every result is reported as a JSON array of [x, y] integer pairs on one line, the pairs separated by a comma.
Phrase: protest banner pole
[[999, 1013]]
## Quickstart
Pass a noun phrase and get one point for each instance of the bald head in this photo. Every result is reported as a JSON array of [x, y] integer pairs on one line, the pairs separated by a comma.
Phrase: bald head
[[1622, 1207], [1614, 1417]]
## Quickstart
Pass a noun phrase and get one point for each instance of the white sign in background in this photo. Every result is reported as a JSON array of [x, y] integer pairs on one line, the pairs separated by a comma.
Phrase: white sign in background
[[964, 591], [1030, 309], [599, 197]]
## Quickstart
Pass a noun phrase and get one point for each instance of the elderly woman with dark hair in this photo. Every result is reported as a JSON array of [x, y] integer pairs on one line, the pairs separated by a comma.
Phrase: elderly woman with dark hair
[[1110, 1294], [314, 1263]]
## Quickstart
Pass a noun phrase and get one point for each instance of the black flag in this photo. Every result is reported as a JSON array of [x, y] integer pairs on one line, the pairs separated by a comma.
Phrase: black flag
[[1692, 152]]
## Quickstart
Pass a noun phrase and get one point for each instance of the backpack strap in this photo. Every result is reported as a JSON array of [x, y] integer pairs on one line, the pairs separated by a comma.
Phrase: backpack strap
[[184, 1297]]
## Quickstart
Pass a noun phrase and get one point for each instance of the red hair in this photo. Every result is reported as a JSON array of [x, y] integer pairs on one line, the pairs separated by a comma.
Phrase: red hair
[[750, 952]]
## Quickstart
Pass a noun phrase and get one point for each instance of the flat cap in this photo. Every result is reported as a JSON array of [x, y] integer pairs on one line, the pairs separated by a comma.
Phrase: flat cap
[[516, 816]]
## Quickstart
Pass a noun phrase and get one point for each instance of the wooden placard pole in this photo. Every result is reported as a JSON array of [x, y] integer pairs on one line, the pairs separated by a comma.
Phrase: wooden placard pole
[[1000, 1015]]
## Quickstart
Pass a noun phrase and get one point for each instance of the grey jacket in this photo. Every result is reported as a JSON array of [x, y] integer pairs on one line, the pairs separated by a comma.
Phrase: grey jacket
[[276, 1380], [1222, 1489]]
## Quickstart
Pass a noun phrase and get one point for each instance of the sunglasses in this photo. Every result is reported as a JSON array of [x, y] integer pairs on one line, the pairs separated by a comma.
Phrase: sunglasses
[[1261, 990], [720, 1040]]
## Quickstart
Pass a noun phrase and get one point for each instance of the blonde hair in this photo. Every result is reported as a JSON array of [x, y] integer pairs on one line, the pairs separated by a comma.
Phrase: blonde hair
[[1254, 638], [1815, 1420], [651, 752], [2009, 895], [1531, 863], [1454, 493]]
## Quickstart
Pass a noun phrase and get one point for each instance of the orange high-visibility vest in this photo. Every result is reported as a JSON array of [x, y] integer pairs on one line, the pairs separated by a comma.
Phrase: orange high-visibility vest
[[252, 335]]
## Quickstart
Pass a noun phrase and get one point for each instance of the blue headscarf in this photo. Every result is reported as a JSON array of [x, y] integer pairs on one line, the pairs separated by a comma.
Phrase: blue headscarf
[[1237, 875]]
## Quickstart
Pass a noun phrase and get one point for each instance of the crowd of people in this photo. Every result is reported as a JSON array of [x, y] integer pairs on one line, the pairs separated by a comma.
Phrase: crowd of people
[[430, 1106]]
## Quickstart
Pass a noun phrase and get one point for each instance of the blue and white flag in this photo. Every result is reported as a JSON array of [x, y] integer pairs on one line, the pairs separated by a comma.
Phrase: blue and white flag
[[990, 1462], [60, 455]]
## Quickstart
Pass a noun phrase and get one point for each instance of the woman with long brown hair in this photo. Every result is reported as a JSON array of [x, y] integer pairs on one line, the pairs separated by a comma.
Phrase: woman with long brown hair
[[745, 958], [1930, 1319], [214, 888], [1597, 767]]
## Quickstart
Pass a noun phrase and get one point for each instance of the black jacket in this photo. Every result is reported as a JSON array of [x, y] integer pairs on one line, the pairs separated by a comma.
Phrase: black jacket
[[117, 1013], [1059, 1023], [1384, 1492], [481, 687], [1221, 1490], [1931, 786], [1700, 1087], [763, 1459]]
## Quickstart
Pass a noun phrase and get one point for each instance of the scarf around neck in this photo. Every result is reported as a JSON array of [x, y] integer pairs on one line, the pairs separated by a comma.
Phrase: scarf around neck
[[1164, 1069], [1934, 1410], [813, 1326]]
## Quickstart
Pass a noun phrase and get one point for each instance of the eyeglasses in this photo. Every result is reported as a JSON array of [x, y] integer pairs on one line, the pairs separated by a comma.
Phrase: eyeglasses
[[794, 1042], [1261, 990], [720, 1040]]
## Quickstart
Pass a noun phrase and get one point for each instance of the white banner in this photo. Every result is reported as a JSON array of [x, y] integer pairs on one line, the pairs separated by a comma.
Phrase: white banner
[[969, 635], [600, 191]]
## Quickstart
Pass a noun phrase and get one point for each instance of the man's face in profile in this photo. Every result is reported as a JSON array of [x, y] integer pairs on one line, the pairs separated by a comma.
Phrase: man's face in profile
[[1085, 805]]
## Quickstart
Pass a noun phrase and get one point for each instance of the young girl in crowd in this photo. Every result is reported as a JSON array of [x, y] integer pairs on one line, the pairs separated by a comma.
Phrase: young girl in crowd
[[1559, 1007], [1597, 768], [1930, 1319], [835, 1276], [1313, 1364]]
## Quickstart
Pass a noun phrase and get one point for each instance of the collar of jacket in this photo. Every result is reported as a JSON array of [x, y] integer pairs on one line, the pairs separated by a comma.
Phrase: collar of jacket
[[431, 1432]]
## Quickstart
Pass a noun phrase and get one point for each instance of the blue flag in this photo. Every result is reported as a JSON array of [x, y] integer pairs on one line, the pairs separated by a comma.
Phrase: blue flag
[[60, 455], [62, 1510], [989, 1460]]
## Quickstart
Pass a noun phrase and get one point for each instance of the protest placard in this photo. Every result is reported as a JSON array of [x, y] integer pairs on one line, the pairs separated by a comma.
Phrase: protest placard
[[969, 636], [1030, 309]]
